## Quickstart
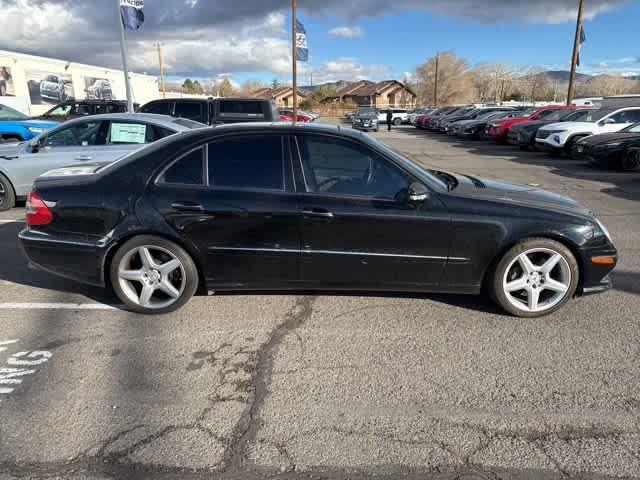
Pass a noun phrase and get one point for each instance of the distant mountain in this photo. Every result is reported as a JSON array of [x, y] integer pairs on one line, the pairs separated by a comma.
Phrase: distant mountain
[[560, 76], [335, 85]]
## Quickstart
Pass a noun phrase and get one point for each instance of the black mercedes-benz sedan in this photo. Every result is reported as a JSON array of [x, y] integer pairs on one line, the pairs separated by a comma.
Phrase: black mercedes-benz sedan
[[276, 206], [617, 150]]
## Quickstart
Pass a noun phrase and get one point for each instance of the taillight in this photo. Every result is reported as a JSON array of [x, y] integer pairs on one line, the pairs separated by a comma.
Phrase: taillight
[[37, 211]]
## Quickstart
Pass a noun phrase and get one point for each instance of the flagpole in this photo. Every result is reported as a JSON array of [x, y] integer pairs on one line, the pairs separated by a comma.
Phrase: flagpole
[[123, 50], [576, 52], [294, 59]]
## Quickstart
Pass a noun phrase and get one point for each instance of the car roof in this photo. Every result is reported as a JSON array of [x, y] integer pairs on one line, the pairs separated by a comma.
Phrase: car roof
[[166, 121], [276, 127]]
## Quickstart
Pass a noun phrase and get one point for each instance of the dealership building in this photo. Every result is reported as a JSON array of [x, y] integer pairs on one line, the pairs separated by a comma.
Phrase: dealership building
[[38, 83]]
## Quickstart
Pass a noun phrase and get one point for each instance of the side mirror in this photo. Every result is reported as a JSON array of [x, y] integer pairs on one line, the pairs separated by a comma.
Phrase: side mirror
[[417, 193], [608, 121]]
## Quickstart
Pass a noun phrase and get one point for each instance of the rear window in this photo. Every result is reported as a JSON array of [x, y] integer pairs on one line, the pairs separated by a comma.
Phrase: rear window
[[185, 122], [189, 110], [241, 108]]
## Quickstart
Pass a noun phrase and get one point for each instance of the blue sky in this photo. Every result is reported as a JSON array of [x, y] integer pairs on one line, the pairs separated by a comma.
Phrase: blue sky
[[250, 39], [401, 41]]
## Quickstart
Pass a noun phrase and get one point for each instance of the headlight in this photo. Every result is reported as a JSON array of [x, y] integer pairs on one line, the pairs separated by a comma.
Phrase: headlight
[[551, 132], [36, 129], [604, 230]]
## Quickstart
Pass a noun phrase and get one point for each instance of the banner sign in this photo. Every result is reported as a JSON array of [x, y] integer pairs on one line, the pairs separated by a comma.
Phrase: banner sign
[[132, 13], [302, 49]]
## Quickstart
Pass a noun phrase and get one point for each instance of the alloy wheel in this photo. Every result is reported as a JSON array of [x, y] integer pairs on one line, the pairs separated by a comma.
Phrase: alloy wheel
[[3, 194], [537, 280], [151, 277]]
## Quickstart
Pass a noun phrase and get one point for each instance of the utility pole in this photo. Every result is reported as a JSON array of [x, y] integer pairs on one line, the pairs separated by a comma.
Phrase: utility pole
[[435, 83], [162, 84], [123, 50], [576, 52], [294, 60]]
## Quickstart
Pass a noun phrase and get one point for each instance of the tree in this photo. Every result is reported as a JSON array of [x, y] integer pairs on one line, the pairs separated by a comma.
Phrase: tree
[[225, 88], [454, 80], [275, 83], [322, 94], [187, 86], [197, 88], [250, 86]]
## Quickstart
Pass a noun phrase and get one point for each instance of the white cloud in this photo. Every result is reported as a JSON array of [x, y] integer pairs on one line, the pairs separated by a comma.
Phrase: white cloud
[[205, 37], [347, 32], [343, 69]]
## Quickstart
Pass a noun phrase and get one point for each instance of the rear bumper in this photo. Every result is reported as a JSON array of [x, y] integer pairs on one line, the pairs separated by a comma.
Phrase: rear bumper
[[79, 259]]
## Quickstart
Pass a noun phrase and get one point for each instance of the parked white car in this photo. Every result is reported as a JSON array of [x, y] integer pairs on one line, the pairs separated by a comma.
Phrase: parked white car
[[93, 140], [400, 115], [560, 137]]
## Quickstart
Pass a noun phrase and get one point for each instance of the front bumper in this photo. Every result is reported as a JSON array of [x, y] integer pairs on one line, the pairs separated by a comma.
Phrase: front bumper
[[77, 258]]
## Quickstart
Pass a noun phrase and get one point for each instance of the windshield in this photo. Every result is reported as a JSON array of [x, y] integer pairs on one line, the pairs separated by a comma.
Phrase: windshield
[[7, 113], [423, 174]]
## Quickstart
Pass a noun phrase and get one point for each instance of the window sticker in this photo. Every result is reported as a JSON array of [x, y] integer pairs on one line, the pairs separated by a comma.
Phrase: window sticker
[[128, 133]]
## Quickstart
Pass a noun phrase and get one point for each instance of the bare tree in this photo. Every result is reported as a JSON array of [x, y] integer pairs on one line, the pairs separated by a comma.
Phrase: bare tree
[[250, 86], [454, 80]]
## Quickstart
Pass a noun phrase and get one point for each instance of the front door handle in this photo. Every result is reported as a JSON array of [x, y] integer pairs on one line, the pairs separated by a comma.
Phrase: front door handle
[[187, 207], [317, 212], [84, 158]]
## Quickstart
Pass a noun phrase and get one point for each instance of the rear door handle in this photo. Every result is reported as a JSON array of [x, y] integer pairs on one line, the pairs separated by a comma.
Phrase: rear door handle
[[317, 212], [187, 207]]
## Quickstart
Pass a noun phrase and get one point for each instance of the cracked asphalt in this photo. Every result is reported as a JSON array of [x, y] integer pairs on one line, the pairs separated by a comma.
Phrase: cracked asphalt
[[335, 386]]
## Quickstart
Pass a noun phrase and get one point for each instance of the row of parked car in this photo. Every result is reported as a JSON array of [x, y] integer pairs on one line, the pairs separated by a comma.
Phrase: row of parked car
[[607, 134], [87, 134], [370, 118]]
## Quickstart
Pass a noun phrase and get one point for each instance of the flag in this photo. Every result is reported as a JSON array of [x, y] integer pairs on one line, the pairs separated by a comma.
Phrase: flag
[[583, 38], [302, 49], [132, 13]]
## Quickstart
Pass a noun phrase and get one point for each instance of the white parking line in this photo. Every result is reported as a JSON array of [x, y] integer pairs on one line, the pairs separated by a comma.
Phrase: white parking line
[[4, 222], [57, 306]]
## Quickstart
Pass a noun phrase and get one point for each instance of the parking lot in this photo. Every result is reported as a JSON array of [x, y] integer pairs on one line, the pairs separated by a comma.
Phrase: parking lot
[[309, 385]]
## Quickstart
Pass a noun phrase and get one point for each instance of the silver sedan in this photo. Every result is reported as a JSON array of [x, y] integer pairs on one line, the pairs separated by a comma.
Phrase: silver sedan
[[95, 139]]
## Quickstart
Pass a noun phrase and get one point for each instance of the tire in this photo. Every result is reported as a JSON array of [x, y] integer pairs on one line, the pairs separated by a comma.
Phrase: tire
[[7, 194], [3, 90], [568, 148], [397, 121], [563, 277], [631, 160], [182, 276]]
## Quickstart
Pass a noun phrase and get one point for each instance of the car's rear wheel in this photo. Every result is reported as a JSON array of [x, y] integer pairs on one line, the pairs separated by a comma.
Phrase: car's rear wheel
[[7, 195], [535, 277], [397, 121], [631, 160], [153, 275]]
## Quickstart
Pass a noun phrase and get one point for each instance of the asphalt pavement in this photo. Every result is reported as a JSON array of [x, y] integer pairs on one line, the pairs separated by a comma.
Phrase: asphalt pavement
[[336, 386]]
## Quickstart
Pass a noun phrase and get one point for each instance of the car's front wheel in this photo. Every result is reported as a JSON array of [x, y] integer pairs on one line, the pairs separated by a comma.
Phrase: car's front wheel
[[535, 277], [153, 275]]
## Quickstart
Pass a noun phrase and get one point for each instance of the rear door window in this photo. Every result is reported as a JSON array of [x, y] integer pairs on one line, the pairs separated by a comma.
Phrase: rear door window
[[247, 162]]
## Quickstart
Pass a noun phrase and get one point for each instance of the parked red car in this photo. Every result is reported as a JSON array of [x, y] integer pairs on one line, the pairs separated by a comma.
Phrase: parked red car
[[421, 121], [302, 118], [285, 118], [498, 130]]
